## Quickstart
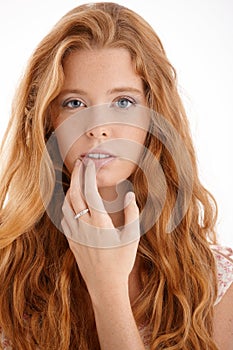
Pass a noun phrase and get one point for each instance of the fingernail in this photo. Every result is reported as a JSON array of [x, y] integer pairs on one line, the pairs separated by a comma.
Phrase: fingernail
[[129, 197], [77, 162]]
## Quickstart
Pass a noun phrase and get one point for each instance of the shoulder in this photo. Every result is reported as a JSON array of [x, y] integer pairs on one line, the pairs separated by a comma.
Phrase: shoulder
[[223, 310], [223, 321], [224, 264]]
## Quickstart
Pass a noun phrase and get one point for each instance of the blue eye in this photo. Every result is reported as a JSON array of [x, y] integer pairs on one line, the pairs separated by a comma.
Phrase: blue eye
[[73, 104], [124, 103]]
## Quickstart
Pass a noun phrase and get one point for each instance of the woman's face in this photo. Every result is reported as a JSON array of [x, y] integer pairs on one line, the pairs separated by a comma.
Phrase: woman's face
[[100, 77]]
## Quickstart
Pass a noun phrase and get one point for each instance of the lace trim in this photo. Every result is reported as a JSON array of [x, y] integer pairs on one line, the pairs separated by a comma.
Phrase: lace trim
[[224, 261], [5, 343]]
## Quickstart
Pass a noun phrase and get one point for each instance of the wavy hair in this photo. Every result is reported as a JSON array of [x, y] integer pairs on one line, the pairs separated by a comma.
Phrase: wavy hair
[[44, 300]]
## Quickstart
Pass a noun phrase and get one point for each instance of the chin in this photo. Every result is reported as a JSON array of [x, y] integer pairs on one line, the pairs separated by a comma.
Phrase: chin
[[110, 180], [107, 182]]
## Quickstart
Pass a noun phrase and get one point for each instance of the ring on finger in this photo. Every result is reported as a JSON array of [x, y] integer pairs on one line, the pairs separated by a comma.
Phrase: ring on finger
[[81, 213]]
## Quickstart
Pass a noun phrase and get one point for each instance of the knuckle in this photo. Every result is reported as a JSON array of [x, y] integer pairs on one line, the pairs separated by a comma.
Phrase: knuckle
[[73, 194], [63, 208]]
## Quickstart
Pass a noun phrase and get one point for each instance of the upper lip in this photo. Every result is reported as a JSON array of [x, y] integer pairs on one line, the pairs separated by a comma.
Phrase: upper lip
[[97, 151]]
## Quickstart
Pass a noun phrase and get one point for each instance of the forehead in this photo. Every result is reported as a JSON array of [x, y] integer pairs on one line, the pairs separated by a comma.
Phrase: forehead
[[101, 67]]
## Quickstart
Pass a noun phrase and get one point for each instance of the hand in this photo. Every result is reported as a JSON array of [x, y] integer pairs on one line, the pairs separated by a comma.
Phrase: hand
[[105, 255]]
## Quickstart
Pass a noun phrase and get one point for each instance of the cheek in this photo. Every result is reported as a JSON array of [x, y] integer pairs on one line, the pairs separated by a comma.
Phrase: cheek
[[135, 134], [69, 154]]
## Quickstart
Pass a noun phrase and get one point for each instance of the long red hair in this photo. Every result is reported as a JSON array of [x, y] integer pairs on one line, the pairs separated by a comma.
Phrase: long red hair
[[44, 300]]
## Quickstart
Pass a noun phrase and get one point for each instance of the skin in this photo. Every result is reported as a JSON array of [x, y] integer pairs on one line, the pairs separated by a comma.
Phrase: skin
[[95, 78], [110, 274], [223, 321], [111, 297]]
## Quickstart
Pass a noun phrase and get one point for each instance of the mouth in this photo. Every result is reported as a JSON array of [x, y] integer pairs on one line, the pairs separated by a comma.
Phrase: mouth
[[99, 157]]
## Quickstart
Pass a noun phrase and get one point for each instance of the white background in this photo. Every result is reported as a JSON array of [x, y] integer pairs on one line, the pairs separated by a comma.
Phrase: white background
[[198, 38]]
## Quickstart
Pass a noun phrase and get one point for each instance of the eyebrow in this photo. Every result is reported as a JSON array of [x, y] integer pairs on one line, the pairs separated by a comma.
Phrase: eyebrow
[[109, 92], [124, 89]]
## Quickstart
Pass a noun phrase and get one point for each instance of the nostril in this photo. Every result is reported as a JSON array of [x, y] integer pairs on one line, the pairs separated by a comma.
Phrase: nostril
[[97, 133]]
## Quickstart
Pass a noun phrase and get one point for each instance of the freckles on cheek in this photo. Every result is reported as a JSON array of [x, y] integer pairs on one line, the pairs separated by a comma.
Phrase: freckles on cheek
[[138, 135], [133, 133]]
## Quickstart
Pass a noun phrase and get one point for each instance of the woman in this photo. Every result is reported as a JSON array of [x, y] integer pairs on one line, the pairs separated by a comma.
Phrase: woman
[[107, 235]]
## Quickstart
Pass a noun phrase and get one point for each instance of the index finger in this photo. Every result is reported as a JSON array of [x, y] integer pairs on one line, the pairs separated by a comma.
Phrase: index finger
[[75, 191], [92, 196]]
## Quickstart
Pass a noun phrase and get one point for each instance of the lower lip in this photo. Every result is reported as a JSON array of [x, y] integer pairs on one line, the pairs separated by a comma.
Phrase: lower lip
[[100, 162]]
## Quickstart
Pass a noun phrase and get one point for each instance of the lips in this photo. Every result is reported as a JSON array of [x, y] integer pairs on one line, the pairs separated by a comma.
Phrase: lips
[[98, 156]]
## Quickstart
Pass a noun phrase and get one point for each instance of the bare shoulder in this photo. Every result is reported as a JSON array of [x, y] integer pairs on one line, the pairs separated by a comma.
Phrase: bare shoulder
[[223, 321]]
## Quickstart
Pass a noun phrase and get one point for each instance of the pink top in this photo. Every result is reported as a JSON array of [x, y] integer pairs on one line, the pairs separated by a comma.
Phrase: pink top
[[224, 261]]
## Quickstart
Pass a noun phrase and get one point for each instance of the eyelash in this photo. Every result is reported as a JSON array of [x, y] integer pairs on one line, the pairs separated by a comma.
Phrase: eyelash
[[65, 104], [125, 98]]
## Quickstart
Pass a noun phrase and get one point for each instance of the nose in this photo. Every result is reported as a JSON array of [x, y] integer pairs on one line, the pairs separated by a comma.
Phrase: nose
[[99, 132]]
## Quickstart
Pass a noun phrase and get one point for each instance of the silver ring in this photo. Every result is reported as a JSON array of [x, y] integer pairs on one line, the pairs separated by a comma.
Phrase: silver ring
[[81, 213]]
